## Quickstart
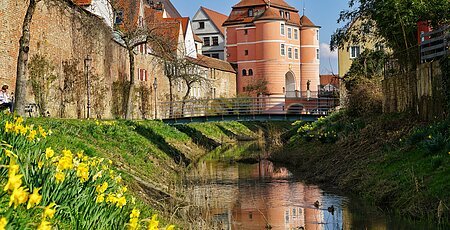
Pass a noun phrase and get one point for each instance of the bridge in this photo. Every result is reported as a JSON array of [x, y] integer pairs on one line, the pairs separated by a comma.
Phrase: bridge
[[291, 108]]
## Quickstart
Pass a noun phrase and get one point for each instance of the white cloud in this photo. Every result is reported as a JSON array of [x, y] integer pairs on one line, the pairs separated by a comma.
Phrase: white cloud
[[328, 60], [325, 51]]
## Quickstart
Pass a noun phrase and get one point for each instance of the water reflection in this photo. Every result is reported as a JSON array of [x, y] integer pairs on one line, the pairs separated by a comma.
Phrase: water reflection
[[262, 196]]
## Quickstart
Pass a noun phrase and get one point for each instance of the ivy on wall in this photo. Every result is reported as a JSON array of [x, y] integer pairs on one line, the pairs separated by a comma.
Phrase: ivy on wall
[[41, 77]]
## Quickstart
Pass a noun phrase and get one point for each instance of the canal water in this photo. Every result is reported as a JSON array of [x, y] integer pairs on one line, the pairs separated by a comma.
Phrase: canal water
[[264, 196]]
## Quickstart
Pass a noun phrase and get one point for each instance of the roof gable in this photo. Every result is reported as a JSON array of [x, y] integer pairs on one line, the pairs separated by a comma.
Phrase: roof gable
[[306, 22], [216, 18]]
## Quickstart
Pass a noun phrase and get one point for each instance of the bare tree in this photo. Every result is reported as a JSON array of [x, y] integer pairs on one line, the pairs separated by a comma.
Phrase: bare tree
[[22, 60]]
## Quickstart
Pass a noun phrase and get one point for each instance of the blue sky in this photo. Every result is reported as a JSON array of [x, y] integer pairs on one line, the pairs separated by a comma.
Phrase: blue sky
[[322, 12]]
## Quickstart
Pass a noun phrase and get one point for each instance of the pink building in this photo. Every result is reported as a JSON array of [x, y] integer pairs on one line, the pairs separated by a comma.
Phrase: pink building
[[269, 41]]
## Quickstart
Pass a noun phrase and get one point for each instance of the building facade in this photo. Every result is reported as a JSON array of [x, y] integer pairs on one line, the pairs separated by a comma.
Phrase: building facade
[[274, 47], [207, 24]]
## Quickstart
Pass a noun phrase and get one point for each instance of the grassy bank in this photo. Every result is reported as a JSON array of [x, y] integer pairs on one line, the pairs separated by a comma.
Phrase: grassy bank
[[395, 161], [149, 156]]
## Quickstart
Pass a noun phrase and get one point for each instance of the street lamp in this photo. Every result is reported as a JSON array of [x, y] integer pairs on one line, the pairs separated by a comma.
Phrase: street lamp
[[155, 86], [87, 66]]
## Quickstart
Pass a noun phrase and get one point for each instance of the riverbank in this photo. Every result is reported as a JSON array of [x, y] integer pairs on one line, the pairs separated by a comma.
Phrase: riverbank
[[394, 161], [151, 156]]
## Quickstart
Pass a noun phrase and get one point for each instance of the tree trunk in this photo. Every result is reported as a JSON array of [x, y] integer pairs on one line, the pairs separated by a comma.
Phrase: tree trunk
[[129, 112], [170, 97], [22, 61], [183, 105]]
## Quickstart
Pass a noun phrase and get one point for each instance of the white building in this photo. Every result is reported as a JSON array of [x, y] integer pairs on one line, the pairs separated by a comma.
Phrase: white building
[[207, 24]]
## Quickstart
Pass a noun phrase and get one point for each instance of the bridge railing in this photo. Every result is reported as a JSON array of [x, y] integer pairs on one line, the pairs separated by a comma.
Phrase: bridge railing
[[246, 106]]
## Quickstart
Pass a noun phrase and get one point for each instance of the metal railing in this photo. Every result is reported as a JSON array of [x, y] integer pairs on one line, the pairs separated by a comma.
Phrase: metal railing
[[435, 44], [246, 106]]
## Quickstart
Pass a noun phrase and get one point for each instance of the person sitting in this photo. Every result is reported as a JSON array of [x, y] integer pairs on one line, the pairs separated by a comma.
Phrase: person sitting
[[5, 99]]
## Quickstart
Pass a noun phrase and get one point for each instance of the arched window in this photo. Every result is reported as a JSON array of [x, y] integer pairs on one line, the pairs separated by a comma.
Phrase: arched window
[[244, 72], [250, 72]]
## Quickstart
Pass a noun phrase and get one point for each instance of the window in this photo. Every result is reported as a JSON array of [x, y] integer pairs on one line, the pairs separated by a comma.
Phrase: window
[[283, 49], [250, 12], [250, 72], [245, 32], [295, 34], [289, 52], [281, 13], [289, 32], [282, 29], [246, 52], [206, 41], [215, 41], [215, 55], [118, 17], [201, 25], [296, 53], [317, 54], [142, 48], [288, 15], [317, 35], [355, 51], [142, 75], [244, 72]]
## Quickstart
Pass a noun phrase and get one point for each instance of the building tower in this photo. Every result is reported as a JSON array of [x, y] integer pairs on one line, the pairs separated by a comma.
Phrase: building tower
[[269, 42]]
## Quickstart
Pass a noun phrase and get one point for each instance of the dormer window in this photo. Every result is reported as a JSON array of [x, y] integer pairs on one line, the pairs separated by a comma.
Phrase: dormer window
[[282, 13], [118, 17], [250, 13], [287, 15]]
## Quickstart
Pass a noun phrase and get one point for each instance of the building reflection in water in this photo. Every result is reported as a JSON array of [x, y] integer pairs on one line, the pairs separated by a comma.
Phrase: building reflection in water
[[257, 196]]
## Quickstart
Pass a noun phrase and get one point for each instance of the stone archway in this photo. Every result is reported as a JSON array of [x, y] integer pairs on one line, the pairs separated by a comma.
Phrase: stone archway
[[290, 84]]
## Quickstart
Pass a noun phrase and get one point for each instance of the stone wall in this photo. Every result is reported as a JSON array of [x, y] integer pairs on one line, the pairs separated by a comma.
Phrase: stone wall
[[63, 34], [420, 92]]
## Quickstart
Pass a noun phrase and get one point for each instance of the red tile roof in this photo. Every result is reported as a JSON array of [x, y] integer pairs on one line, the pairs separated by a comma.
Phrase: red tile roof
[[306, 22], [82, 2], [214, 63], [183, 21], [329, 79], [217, 18], [197, 38], [279, 3], [240, 15]]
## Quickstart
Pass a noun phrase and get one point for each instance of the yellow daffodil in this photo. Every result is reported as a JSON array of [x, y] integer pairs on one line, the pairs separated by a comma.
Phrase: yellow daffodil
[[170, 227], [40, 164], [49, 132], [18, 196], [124, 189], [3, 223], [49, 211], [135, 213], [102, 188], [83, 172], [134, 224], [45, 225], [19, 120], [111, 198], [35, 198], [49, 153], [59, 176], [42, 132], [153, 224], [13, 168], [32, 135], [66, 162], [23, 130], [133, 200], [121, 201], [97, 175], [118, 179], [9, 127], [9, 153], [17, 128], [14, 182], [100, 198]]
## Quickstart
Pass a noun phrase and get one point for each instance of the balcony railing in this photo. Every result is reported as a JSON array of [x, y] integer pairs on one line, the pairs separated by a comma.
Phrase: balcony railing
[[435, 44]]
